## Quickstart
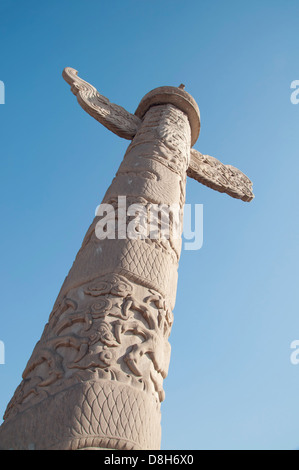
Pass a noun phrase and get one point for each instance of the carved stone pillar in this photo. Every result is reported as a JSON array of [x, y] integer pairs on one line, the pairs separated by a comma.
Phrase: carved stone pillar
[[95, 378]]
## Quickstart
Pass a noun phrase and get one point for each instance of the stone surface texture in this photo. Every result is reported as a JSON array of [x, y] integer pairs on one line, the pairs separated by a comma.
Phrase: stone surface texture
[[95, 378]]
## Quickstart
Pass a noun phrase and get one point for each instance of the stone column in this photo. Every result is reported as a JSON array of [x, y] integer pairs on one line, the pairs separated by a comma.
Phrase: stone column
[[95, 378]]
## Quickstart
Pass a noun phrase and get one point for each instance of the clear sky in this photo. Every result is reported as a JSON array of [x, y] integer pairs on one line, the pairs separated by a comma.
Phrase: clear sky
[[231, 384]]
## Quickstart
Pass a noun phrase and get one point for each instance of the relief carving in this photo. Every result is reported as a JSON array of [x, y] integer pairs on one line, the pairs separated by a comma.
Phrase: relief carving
[[223, 178], [109, 328]]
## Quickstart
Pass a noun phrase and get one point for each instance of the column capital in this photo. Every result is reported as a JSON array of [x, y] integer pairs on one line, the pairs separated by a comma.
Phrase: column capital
[[177, 97]]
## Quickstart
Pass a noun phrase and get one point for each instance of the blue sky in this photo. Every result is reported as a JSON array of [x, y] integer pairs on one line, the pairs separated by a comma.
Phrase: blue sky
[[231, 384]]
